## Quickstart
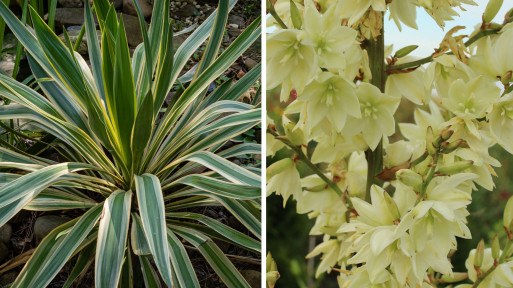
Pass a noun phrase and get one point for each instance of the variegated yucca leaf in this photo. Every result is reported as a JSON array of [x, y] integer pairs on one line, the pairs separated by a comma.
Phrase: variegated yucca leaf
[[136, 164]]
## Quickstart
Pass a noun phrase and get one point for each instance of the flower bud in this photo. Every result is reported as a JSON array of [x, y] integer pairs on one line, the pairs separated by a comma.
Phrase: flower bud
[[506, 78], [446, 134], [478, 260], [455, 167], [491, 10], [318, 188], [405, 51], [295, 15], [270, 263], [496, 248], [508, 214], [271, 278], [410, 178], [455, 277], [278, 167], [448, 147], [429, 141], [296, 136], [423, 167]]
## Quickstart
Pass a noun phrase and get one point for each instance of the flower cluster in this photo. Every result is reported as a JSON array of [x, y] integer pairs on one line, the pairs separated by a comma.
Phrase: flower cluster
[[390, 203]]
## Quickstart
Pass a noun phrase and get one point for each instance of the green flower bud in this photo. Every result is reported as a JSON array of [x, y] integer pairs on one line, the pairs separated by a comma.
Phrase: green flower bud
[[496, 248], [410, 178], [506, 78], [478, 260], [446, 134], [429, 141], [405, 51], [455, 277], [296, 136], [508, 214], [270, 263], [455, 167], [448, 147], [272, 274], [295, 15], [491, 10], [271, 278], [423, 167], [278, 167]]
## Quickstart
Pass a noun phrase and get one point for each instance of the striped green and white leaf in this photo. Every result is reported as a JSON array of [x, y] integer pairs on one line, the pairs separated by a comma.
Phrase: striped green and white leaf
[[151, 209], [214, 256], [55, 250], [112, 237]]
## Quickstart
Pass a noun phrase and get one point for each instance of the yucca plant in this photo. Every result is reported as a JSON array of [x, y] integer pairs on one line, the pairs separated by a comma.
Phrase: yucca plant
[[137, 166]]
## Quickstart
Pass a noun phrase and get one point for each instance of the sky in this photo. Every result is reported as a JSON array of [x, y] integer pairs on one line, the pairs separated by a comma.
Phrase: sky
[[429, 35]]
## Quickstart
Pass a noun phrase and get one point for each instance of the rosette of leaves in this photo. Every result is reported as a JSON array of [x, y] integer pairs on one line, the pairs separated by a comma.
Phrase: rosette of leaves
[[136, 166]]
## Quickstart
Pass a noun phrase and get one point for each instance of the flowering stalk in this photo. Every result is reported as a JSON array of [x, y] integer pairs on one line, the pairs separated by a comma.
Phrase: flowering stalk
[[376, 51], [390, 69], [408, 199], [496, 264], [307, 161]]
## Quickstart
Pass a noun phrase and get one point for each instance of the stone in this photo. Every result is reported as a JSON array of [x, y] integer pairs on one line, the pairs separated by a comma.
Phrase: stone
[[8, 278], [7, 63], [252, 276], [214, 2], [73, 36], [5, 233], [45, 224], [117, 3], [186, 11], [129, 7], [71, 3], [250, 63], [178, 40], [237, 20], [69, 16], [74, 28], [4, 251], [10, 44], [133, 30], [234, 32]]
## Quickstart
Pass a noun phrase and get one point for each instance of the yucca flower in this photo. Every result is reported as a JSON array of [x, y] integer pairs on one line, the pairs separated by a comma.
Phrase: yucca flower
[[377, 115], [330, 96], [290, 62], [329, 41]]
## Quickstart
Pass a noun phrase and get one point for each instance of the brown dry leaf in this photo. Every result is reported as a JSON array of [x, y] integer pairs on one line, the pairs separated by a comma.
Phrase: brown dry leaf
[[17, 261], [454, 43]]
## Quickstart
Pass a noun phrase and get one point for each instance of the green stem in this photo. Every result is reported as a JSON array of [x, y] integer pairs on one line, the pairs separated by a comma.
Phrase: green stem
[[430, 58], [429, 177], [275, 16], [376, 51], [309, 163]]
